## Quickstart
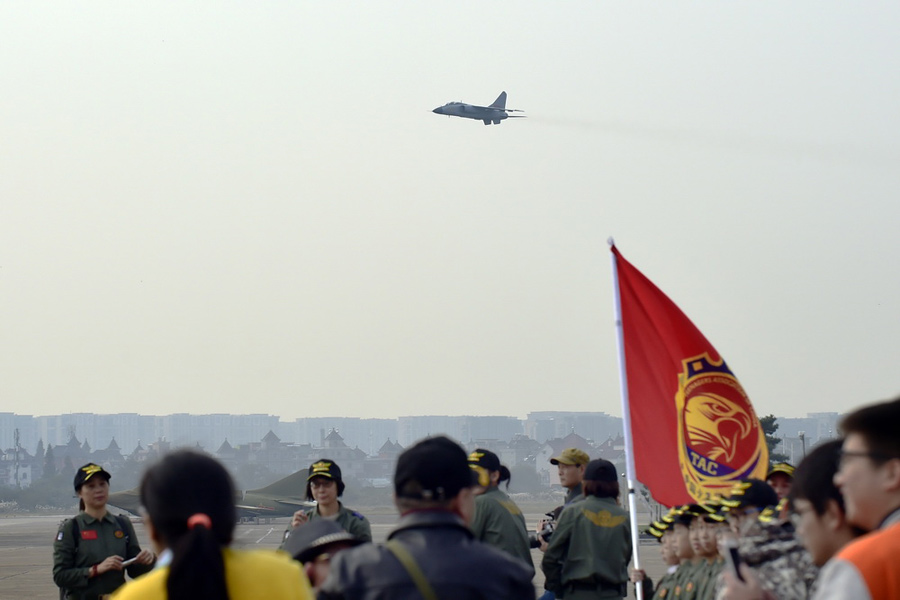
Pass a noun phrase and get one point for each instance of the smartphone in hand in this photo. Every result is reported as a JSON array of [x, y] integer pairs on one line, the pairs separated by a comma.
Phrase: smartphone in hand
[[733, 558]]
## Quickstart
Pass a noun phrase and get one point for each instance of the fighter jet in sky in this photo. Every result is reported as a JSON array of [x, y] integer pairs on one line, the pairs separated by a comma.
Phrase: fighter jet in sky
[[494, 113], [279, 499]]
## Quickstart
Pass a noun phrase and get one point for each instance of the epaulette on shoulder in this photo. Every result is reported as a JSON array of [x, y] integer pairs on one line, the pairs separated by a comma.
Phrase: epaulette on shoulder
[[357, 515]]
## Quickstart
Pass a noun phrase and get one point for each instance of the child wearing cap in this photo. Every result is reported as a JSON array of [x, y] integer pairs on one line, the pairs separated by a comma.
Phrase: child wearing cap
[[780, 478], [705, 525], [662, 531], [688, 575]]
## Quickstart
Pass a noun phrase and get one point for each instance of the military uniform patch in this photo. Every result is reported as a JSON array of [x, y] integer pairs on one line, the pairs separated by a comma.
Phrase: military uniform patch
[[602, 518], [59, 536], [662, 593], [119, 534]]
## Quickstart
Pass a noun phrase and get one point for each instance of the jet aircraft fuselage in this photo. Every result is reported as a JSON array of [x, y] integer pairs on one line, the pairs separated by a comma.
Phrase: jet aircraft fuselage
[[494, 113]]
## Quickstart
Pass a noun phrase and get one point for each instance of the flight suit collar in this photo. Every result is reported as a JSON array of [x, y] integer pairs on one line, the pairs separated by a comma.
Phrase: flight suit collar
[[89, 520], [574, 494]]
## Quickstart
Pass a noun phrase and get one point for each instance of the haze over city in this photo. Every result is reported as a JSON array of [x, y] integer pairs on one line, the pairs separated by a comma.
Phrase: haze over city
[[250, 208]]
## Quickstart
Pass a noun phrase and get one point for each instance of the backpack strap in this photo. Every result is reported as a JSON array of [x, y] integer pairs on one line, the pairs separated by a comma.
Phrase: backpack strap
[[123, 524], [75, 531], [412, 567]]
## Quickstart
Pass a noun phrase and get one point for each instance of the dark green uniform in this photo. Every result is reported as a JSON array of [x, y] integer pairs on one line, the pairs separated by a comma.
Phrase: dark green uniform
[[687, 578], [499, 522], [589, 552], [349, 520], [97, 541], [707, 587], [666, 586]]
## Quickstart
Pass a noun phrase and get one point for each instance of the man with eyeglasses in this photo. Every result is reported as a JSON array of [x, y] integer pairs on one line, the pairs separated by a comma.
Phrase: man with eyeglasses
[[868, 476]]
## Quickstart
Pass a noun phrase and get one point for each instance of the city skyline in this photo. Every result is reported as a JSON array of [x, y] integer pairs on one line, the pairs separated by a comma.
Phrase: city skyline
[[211, 431]]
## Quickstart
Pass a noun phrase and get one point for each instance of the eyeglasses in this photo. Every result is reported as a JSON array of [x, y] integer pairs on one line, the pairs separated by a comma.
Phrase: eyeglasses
[[844, 457]]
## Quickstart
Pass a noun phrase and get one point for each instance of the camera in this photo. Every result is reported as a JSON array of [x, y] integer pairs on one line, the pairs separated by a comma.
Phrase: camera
[[535, 537]]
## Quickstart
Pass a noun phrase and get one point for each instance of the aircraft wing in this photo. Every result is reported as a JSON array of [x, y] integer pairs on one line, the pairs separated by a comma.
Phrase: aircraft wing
[[255, 509], [284, 507], [294, 502]]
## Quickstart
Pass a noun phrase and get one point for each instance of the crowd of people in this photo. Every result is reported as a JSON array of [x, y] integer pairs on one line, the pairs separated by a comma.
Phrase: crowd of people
[[829, 529]]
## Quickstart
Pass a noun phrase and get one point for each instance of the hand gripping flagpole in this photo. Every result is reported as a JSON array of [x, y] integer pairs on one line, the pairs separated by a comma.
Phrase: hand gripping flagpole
[[626, 421]]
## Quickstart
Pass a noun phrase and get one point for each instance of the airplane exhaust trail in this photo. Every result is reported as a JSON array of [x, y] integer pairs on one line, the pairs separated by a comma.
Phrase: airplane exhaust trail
[[825, 151]]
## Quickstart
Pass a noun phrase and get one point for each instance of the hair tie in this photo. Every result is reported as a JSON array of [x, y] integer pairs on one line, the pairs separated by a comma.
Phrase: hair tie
[[199, 519]]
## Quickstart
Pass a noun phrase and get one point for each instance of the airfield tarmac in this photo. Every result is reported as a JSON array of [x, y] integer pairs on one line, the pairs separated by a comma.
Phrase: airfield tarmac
[[26, 549]]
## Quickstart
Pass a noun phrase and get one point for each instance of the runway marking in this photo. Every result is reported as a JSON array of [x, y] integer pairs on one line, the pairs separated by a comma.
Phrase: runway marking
[[271, 529]]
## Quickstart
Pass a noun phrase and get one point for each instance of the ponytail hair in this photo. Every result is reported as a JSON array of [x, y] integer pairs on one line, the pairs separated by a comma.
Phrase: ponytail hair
[[505, 475], [190, 500]]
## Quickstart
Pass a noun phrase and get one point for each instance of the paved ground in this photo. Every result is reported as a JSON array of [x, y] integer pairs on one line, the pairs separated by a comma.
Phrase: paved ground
[[26, 550]]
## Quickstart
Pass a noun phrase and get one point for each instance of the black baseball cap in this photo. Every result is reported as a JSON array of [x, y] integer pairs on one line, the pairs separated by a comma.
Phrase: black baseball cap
[[485, 459], [600, 470], [327, 468], [435, 468], [312, 539], [751, 492], [682, 515], [89, 470]]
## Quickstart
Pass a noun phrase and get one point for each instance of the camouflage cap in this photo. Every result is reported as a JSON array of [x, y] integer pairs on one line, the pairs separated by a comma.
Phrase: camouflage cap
[[571, 456]]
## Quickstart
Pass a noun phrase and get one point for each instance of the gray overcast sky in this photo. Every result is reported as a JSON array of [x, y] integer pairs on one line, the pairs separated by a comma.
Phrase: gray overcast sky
[[249, 207]]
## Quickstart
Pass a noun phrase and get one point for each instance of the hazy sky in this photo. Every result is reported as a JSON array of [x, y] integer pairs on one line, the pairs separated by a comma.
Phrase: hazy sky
[[250, 207]]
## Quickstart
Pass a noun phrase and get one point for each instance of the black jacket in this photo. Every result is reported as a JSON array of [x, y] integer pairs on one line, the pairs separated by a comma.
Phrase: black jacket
[[456, 565]]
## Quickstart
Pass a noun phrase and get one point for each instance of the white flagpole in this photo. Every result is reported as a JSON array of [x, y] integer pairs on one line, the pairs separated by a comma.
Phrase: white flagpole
[[626, 421]]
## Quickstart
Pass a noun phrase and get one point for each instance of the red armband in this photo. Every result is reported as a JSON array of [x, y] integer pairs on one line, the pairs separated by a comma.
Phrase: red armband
[[93, 570]]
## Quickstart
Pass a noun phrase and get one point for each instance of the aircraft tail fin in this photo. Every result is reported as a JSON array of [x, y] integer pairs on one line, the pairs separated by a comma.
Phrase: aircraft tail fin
[[500, 102], [292, 485]]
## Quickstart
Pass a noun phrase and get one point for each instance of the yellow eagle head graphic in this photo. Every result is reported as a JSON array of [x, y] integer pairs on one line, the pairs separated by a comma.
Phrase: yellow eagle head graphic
[[715, 426]]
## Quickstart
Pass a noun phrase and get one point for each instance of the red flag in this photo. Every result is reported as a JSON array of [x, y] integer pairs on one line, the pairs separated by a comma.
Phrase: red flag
[[693, 428]]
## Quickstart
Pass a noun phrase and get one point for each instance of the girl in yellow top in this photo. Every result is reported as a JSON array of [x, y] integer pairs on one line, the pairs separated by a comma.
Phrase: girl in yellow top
[[190, 517]]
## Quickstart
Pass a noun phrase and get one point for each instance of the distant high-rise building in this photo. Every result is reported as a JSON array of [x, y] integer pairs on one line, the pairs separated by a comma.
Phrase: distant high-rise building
[[548, 425]]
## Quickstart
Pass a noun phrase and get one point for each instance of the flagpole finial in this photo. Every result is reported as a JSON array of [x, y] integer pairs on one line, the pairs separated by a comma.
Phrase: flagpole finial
[[610, 241]]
